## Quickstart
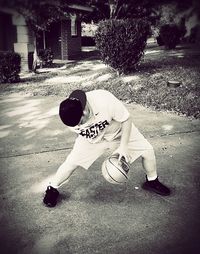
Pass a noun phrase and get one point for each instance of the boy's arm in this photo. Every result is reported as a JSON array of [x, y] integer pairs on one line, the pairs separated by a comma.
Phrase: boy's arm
[[119, 113], [123, 147]]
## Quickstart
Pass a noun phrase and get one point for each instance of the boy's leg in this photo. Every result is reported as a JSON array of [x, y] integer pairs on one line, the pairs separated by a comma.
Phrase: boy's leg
[[83, 154], [149, 164], [152, 183], [139, 146], [62, 176]]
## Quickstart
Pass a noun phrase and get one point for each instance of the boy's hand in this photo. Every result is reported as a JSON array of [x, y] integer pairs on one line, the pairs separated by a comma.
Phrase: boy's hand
[[123, 152]]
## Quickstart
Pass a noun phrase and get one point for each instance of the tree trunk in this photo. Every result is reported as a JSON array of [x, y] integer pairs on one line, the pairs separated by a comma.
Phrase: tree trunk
[[113, 7]]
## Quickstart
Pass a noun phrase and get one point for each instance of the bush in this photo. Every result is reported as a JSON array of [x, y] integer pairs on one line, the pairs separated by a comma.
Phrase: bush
[[170, 35], [10, 66], [46, 56], [122, 42], [193, 37], [159, 41]]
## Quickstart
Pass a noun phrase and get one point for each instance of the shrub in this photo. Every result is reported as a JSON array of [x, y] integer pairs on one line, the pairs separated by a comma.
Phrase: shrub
[[170, 35], [193, 37], [122, 42], [10, 66], [46, 56], [159, 41]]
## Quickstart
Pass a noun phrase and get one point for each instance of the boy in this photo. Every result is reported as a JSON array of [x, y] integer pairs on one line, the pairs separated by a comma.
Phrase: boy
[[101, 122]]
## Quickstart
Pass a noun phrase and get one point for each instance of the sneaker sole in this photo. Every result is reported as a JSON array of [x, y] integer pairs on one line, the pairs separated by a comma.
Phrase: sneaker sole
[[155, 191], [49, 204]]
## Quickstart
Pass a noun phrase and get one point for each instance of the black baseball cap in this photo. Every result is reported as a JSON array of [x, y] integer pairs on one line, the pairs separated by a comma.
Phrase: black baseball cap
[[71, 109]]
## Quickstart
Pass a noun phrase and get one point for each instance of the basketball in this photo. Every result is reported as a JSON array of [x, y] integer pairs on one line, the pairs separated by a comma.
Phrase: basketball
[[114, 171]]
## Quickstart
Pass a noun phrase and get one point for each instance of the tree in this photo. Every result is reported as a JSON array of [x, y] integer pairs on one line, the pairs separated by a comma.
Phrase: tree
[[122, 9], [150, 9], [175, 13], [38, 14]]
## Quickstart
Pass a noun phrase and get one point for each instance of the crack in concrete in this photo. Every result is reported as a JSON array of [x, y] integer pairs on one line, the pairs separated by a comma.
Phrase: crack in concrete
[[32, 153], [174, 133], [67, 148]]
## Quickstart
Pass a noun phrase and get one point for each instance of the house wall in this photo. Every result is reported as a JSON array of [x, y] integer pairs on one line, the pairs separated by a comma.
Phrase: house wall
[[53, 41], [59, 39], [70, 45], [65, 38], [15, 35], [25, 41], [21, 40], [74, 46], [8, 32]]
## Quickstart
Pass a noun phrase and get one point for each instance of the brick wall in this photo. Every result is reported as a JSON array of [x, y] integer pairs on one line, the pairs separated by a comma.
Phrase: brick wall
[[65, 36], [74, 46], [70, 45]]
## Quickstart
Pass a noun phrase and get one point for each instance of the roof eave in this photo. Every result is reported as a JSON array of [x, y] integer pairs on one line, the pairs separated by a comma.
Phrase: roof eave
[[80, 7]]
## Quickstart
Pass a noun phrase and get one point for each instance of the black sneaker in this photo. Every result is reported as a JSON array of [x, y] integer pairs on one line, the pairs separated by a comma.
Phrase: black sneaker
[[156, 186], [51, 196]]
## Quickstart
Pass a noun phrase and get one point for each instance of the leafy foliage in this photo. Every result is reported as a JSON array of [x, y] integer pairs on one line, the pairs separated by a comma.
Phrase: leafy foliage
[[119, 9], [9, 67], [38, 14], [46, 55], [121, 42], [170, 35]]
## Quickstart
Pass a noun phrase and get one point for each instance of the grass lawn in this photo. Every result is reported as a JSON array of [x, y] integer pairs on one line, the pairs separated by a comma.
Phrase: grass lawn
[[147, 86]]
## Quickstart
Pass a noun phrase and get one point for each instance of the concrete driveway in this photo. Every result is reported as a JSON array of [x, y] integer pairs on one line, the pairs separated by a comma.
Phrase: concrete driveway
[[92, 215]]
